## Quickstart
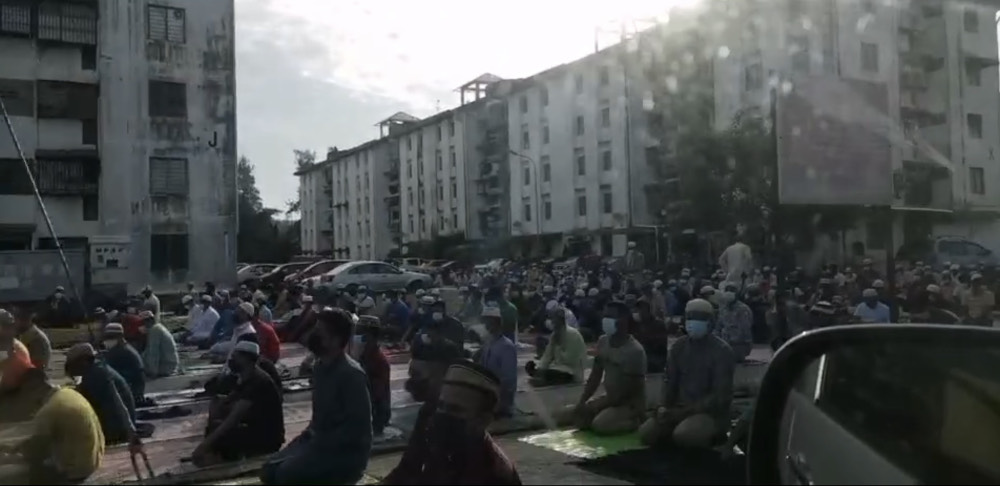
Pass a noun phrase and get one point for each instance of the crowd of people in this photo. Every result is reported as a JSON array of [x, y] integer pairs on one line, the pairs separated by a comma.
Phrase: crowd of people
[[693, 325]]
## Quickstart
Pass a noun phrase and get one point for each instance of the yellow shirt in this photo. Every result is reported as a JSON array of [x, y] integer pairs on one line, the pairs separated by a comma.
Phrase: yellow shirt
[[67, 434]]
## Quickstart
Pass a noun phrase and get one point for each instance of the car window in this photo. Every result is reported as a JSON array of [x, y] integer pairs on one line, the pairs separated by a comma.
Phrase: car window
[[977, 250], [387, 269], [363, 269], [955, 248]]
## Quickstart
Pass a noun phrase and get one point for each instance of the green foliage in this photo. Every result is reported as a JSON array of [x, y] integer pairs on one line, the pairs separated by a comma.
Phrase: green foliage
[[261, 238]]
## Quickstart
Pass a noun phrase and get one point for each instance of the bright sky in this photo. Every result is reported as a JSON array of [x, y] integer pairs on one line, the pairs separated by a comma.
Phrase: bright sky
[[362, 61]]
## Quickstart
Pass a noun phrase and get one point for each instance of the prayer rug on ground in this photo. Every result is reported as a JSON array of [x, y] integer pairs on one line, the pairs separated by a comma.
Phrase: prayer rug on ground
[[584, 445]]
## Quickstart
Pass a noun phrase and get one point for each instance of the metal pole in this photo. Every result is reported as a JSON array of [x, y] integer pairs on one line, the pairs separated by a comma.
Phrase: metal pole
[[45, 213]]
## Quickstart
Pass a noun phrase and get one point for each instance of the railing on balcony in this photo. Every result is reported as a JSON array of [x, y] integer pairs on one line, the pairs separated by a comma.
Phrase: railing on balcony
[[50, 21], [923, 186], [67, 177]]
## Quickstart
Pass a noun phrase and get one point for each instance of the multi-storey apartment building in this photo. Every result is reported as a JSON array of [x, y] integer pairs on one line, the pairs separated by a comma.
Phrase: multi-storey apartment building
[[315, 207], [937, 61], [578, 144], [127, 113]]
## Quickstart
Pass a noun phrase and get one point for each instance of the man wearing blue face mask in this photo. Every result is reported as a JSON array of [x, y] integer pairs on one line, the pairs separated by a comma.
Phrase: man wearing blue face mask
[[698, 386], [620, 363]]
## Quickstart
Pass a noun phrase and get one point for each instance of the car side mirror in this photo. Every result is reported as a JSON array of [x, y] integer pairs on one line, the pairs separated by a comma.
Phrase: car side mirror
[[880, 404]]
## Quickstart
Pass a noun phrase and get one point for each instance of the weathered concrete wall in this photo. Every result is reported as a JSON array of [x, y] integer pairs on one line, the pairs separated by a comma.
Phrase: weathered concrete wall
[[206, 138]]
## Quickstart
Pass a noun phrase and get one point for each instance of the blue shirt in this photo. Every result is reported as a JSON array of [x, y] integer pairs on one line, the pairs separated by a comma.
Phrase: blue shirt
[[880, 314], [500, 357], [399, 314]]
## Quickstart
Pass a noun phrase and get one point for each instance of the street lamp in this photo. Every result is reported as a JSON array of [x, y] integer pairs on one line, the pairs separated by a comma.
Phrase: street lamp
[[538, 198]]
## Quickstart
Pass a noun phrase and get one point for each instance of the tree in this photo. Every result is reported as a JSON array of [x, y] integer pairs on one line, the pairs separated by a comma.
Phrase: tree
[[260, 239], [304, 159]]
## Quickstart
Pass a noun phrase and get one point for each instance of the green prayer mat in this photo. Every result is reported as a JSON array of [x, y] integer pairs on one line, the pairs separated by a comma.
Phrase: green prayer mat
[[584, 445]]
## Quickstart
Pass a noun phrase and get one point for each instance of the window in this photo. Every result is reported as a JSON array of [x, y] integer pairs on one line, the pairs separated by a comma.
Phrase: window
[[88, 58], [423, 224], [60, 99], [527, 211], [578, 83], [452, 156], [605, 148], [606, 116], [581, 203], [440, 191], [167, 99], [454, 221], [89, 135], [525, 136], [547, 206], [605, 76], [973, 73], [977, 180], [544, 96], [19, 96], [409, 196], [754, 77], [546, 168], [581, 161], [409, 167], [526, 170], [166, 24], [412, 227], [545, 134], [524, 103], [800, 53], [168, 252], [971, 20], [451, 129], [440, 133], [975, 122], [409, 143], [91, 208], [869, 57], [607, 201], [454, 187], [439, 160], [168, 177], [579, 125]]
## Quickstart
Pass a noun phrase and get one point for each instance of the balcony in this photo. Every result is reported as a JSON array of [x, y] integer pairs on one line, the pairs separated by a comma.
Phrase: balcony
[[60, 22], [913, 79], [392, 172], [77, 176], [392, 198], [923, 186]]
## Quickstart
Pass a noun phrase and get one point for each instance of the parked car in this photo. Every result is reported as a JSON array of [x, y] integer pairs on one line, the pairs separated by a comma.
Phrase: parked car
[[493, 265], [278, 274], [325, 276], [254, 271], [953, 249], [241, 266], [378, 276], [317, 268]]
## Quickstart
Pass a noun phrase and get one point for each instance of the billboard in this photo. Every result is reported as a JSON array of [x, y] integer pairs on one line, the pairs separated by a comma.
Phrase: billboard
[[833, 142]]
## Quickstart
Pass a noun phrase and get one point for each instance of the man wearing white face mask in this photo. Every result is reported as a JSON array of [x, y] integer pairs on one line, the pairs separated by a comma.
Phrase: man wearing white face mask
[[698, 386], [735, 323]]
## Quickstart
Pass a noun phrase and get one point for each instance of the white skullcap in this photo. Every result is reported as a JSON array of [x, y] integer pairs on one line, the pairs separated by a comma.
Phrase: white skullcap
[[248, 308], [435, 292], [463, 289], [699, 305], [490, 312], [593, 292], [976, 276], [206, 298], [869, 293], [631, 244], [258, 295], [307, 299], [80, 350], [658, 283], [186, 299], [420, 292], [427, 300], [825, 281], [934, 289], [146, 315], [248, 347], [551, 305], [953, 267], [707, 290], [548, 288], [366, 303], [114, 328], [579, 293], [878, 284]]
